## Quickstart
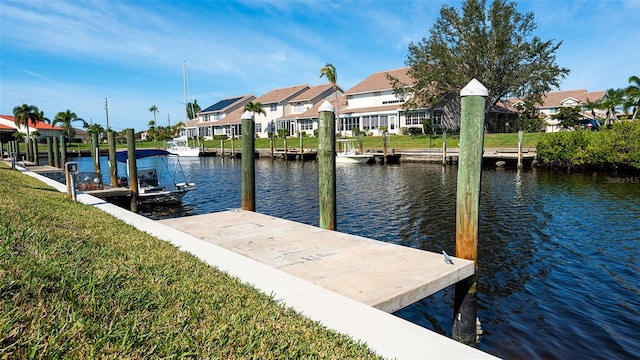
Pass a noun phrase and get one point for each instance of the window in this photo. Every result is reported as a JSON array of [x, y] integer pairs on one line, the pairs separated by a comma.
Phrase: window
[[258, 127], [553, 110], [273, 107], [415, 117], [384, 120], [217, 116], [348, 123], [437, 117], [298, 108], [306, 124], [388, 102]]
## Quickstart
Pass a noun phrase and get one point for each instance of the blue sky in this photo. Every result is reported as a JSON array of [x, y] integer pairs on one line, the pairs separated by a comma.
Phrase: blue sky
[[62, 55]]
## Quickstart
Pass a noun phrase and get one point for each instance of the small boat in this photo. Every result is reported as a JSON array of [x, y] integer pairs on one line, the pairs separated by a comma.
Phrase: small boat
[[150, 191], [347, 153], [180, 146]]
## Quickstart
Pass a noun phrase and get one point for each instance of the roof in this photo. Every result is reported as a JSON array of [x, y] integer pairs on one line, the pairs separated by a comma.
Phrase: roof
[[221, 104], [6, 127], [313, 112], [378, 81], [226, 103], [39, 125], [556, 98], [280, 95], [313, 92]]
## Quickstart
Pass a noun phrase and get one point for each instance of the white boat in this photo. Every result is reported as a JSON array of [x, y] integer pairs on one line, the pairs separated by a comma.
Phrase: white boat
[[347, 154], [180, 146], [150, 191]]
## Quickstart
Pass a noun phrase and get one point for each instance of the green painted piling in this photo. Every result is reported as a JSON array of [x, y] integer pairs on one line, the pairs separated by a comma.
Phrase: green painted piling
[[63, 151], [95, 153], [248, 162], [468, 206], [113, 163], [133, 168], [50, 150], [56, 153], [327, 166]]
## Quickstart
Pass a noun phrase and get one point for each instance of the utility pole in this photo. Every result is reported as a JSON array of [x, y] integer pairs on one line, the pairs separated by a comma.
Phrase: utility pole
[[106, 109]]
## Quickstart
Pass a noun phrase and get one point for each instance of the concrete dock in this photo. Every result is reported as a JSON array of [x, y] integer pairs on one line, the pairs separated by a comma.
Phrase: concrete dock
[[386, 276], [388, 335]]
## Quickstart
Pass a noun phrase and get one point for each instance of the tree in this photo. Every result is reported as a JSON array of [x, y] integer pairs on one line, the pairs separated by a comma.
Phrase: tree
[[152, 129], [66, 118], [26, 115], [569, 116], [192, 109], [329, 71], [612, 99], [632, 93], [494, 45], [255, 108], [154, 110], [94, 129]]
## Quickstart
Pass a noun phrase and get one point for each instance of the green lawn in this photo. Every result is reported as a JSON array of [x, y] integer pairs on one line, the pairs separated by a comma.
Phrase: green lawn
[[78, 283]]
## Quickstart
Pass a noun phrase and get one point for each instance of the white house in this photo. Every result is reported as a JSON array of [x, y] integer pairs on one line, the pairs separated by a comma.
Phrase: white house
[[210, 121]]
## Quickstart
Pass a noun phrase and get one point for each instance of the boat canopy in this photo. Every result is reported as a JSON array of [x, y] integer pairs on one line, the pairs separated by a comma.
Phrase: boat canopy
[[123, 156]]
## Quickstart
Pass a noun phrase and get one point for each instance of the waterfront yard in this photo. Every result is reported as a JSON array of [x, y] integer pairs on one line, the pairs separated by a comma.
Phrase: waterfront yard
[[78, 283]]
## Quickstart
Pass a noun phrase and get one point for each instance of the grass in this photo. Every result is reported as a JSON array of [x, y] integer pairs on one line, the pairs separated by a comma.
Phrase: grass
[[76, 282]]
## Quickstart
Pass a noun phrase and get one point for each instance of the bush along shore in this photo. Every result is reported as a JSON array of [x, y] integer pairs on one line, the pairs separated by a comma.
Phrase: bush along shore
[[617, 148], [76, 282]]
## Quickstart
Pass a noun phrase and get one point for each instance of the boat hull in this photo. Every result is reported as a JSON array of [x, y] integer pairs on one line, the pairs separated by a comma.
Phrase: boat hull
[[352, 159]]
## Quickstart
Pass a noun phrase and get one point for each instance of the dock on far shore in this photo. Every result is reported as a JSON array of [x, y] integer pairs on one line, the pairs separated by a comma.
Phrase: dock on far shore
[[386, 276]]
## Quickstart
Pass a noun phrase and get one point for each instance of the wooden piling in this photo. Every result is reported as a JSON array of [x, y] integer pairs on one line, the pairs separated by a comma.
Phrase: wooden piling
[[49, 151], [444, 147], [248, 162], [301, 147], [36, 161], [519, 149], [133, 168], [113, 162], [222, 147], [56, 153], [327, 166], [63, 151], [468, 205], [95, 153]]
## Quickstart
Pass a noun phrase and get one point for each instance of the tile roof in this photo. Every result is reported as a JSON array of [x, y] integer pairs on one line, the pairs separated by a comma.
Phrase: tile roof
[[313, 92], [40, 125], [555, 98], [378, 81], [7, 127], [279, 95], [313, 112]]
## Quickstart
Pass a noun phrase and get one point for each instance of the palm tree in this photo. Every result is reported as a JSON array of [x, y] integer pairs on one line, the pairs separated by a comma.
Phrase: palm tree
[[329, 71], [192, 109], [611, 100], [26, 115], [255, 108], [633, 94], [154, 110], [152, 129], [66, 118]]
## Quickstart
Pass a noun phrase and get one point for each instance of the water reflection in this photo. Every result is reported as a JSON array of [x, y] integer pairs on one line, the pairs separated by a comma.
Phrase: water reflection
[[558, 253]]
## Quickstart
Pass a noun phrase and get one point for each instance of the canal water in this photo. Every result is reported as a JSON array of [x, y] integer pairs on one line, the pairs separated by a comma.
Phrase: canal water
[[558, 253]]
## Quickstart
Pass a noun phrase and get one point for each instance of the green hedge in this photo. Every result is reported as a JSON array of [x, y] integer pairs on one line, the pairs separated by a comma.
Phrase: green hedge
[[617, 146]]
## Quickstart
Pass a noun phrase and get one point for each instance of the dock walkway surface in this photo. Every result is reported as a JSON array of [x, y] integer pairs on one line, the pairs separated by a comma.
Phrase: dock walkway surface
[[386, 276], [387, 335]]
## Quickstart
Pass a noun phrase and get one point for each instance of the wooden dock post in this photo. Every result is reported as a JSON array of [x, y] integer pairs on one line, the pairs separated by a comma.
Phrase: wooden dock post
[[248, 162], [519, 149], [56, 153], [95, 153], [63, 151], [444, 147], [49, 151], [301, 147], [222, 147], [385, 145], [36, 161], [133, 168], [468, 205], [327, 166], [113, 163]]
